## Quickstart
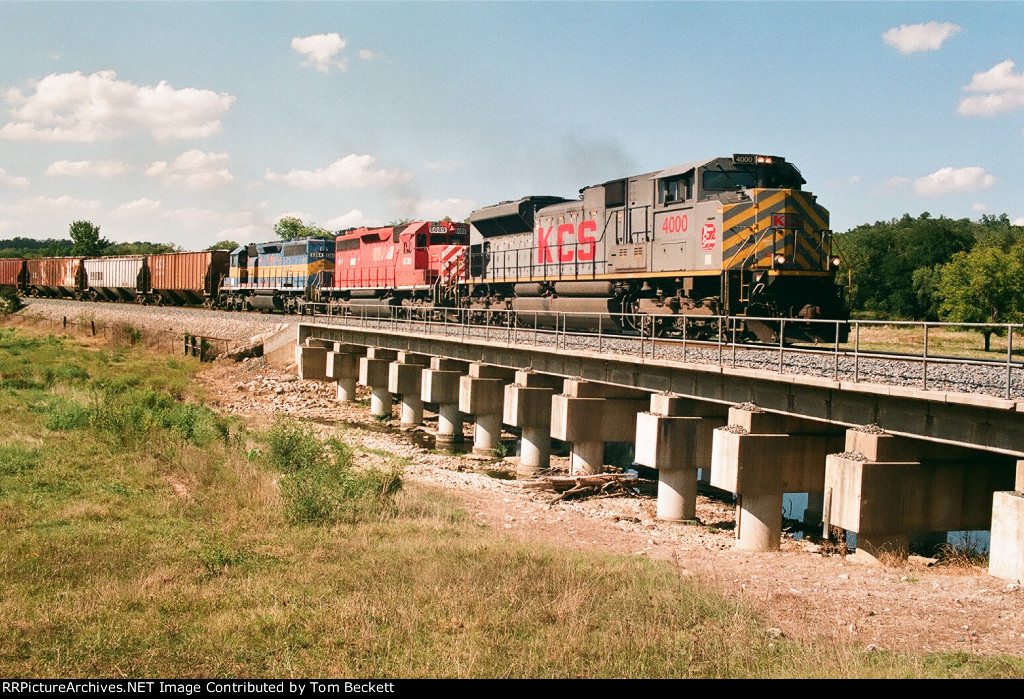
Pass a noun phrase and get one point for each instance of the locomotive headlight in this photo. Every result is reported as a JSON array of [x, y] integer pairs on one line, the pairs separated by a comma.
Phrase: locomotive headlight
[[836, 262], [780, 259]]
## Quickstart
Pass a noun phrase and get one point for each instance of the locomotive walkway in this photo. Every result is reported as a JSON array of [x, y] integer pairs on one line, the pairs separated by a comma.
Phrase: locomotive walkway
[[899, 465]]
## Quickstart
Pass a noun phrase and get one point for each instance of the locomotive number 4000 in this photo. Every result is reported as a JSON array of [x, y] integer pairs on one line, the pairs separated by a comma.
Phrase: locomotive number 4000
[[675, 224]]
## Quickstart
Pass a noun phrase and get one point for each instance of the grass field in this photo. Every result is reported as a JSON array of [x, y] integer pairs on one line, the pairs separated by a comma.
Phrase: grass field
[[906, 338], [146, 535]]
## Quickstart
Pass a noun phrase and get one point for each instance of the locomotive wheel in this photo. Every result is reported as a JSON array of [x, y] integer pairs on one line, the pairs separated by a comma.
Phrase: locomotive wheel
[[649, 325]]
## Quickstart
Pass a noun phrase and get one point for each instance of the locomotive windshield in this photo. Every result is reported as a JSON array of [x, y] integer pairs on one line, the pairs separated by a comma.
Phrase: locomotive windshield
[[733, 178]]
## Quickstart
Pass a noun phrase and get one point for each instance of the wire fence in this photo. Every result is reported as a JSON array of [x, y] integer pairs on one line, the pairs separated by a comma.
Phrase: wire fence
[[204, 347]]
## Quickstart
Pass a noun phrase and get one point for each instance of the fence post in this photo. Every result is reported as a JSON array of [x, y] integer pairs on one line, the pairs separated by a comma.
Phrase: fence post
[[1009, 360], [782, 342], [924, 361], [856, 352]]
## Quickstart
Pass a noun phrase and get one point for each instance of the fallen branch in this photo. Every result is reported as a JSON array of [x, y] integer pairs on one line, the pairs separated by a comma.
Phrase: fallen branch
[[600, 485]]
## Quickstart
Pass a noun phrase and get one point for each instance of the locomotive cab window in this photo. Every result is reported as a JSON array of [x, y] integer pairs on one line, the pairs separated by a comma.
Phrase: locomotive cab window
[[673, 190], [727, 180]]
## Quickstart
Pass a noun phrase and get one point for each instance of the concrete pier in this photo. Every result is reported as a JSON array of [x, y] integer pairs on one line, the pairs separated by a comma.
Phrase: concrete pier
[[405, 379], [440, 385], [528, 406], [343, 368], [311, 361], [482, 395], [1006, 544], [587, 415], [762, 456], [675, 437], [888, 488], [373, 373]]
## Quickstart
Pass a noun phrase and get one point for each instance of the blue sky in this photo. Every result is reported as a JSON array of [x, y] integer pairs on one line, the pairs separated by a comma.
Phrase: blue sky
[[194, 122]]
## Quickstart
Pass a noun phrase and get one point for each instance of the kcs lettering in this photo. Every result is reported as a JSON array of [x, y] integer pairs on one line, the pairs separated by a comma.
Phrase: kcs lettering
[[582, 249]]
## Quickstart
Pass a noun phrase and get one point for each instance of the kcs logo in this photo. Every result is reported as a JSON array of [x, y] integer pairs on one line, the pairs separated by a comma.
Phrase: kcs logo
[[583, 249], [708, 236]]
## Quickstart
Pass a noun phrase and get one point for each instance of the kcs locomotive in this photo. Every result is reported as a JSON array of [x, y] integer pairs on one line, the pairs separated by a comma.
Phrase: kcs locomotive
[[726, 236]]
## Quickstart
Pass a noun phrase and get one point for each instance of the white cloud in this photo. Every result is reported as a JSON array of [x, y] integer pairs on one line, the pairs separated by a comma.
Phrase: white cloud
[[351, 172], [896, 182], [193, 169], [948, 180], [999, 88], [1017, 221], [12, 181], [102, 169], [98, 107], [913, 38], [979, 207], [368, 55], [52, 213], [353, 219], [321, 50], [436, 209], [209, 222]]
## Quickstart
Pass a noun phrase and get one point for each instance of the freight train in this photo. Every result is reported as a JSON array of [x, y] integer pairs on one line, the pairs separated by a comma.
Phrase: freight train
[[655, 252]]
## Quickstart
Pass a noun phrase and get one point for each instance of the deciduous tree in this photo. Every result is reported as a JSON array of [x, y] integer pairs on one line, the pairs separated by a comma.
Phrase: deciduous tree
[[292, 228], [985, 285], [86, 239]]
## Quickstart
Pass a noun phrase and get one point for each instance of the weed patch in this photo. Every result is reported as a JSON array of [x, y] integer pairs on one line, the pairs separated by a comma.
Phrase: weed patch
[[17, 458], [320, 484]]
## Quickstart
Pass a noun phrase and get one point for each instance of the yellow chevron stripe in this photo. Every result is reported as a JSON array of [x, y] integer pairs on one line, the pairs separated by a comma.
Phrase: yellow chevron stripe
[[735, 214], [812, 254], [810, 209]]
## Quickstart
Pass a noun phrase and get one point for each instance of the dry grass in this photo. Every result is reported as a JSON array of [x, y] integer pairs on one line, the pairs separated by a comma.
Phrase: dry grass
[[110, 571], [905, 339]]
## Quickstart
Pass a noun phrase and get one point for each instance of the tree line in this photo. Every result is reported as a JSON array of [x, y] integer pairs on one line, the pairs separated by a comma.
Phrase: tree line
[[84, 240], [925, 268]]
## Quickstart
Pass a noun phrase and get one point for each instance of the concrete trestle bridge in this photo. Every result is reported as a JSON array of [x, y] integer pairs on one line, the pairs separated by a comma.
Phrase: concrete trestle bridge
[[896, 464]]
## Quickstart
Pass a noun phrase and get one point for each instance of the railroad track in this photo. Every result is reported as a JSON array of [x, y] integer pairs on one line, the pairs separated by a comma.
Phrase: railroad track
[[937, 373]]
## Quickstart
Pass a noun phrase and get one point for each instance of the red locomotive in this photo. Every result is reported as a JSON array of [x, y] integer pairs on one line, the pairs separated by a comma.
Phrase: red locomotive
[[421, 265]]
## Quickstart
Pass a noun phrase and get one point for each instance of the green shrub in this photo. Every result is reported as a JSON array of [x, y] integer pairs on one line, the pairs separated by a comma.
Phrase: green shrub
[[321, 486], [63, 415], [64, 372], [9, 301], [293, 446], [216, 557]]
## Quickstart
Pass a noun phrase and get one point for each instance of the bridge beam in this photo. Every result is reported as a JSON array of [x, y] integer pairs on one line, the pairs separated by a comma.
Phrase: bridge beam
[[762, 456], [887, 489]]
